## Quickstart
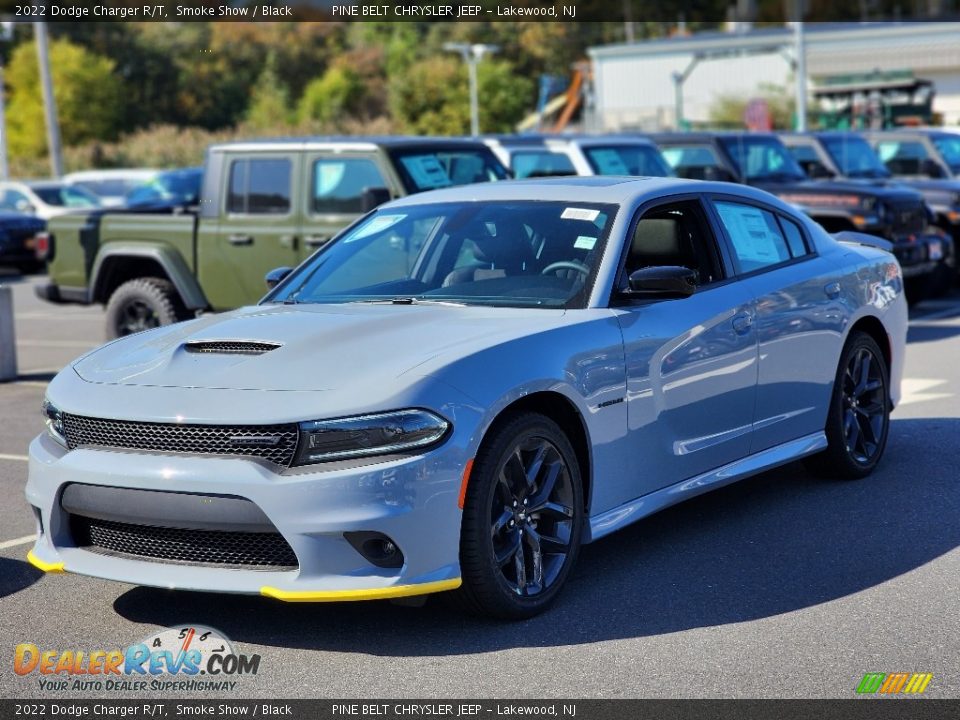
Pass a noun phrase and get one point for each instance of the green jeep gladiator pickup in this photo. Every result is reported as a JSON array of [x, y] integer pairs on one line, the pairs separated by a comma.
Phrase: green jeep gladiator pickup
[[262, 205]]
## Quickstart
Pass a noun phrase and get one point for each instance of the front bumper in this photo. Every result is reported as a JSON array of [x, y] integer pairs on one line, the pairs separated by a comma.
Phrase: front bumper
[[413, 500]]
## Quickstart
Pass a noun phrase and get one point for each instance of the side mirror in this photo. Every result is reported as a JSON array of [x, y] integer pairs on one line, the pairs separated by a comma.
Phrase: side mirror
[[931, 168], [373, 197], [663, 281], [24, 206], [276, 276]]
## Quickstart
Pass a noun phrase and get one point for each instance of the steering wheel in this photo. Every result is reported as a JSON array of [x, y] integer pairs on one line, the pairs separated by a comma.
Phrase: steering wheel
[[566, 265]]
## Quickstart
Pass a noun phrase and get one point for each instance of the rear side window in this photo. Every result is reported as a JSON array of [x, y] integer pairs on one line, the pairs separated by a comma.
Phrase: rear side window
[[755, 234], [259, 186], [338, 184], [794, 236]]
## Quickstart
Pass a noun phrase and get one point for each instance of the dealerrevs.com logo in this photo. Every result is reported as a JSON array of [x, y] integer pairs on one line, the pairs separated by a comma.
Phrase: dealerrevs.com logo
[[179, 659], [894, 683]]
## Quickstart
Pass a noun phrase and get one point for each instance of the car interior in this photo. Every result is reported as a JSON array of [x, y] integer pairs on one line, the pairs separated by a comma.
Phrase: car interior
[[675, 235]]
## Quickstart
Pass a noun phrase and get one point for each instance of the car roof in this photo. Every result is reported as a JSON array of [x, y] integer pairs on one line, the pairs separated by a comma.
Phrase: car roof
[[109, 174], [354, 142], [546, 140], [708, 137], [591, 189]]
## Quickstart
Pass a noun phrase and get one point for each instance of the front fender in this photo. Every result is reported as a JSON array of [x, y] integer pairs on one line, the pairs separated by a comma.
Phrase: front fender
[[169, 259]]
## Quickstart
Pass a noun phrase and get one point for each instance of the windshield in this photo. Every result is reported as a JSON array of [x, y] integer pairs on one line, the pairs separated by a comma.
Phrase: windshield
[[180, 186], [423, 169], [762, 158], [949, 147], [639, 160], [66, 196], [112, 187], [511, 254], [854, 156], [541, 163]]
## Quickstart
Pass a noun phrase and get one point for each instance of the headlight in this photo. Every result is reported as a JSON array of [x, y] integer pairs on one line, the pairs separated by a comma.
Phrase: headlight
[[54, 420], [366, 435]]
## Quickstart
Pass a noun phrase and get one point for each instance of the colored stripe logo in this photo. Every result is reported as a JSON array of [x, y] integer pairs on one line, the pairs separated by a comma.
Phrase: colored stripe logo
[[894, 683]]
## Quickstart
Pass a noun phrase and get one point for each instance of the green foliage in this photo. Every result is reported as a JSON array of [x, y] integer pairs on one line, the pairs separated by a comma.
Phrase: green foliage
[[269, 104], [432, 97], [329, 98], [89, 97]]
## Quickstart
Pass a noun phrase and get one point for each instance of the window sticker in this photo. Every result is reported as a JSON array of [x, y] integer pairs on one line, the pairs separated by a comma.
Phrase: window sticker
[[572, 213], [751, 236], [374, 225], [427, 171], [585, 242]]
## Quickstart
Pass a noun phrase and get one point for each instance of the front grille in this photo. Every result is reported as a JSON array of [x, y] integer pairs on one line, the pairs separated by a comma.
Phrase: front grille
[[230, 347], [908, 217], [273, 443], [216, 548]]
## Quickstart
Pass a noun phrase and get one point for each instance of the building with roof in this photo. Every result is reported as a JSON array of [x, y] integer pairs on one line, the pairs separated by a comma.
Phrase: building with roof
[[634, 84]]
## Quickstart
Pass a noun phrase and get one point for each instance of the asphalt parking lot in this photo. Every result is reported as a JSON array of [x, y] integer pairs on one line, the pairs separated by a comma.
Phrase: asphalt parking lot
[[780, 586]]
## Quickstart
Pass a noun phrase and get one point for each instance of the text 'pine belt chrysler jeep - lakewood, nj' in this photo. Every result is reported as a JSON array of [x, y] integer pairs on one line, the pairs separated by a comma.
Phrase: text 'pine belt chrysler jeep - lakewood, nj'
[[263, 205]]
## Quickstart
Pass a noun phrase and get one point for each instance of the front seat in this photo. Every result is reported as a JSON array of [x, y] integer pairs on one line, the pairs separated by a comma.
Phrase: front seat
[[498, 252], [659, 242]]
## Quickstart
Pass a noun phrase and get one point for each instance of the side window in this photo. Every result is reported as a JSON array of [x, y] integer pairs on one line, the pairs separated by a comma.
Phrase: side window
[[755, 235], [902, 158], [338, 184], [675, 234], [794, 237], [10, 199], [259, 186]]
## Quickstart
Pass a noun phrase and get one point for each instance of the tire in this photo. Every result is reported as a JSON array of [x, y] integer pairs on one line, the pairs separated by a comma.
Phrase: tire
[[858, 421], [917, 289], [142, 304], [501, 514], [942, 280]]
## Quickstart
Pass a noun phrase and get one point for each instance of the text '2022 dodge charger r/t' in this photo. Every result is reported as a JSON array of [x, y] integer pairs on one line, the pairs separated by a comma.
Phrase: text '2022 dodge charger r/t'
[[464, 387]]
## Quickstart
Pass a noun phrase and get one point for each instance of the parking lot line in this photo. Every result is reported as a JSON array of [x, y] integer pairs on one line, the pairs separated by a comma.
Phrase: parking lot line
[[17, 541], [18, 458]]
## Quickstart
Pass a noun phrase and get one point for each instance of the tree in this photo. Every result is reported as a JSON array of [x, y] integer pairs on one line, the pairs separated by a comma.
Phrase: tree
[[89, 97], [269, 105], [331, 97], [432, 97]]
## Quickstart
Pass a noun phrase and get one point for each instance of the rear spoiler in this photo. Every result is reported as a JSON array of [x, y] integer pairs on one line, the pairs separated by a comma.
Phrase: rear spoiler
[[857, 238]]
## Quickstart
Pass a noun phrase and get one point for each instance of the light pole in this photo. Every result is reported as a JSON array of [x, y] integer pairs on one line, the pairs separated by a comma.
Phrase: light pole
[[472, 55], [49, 102], [6, 33]]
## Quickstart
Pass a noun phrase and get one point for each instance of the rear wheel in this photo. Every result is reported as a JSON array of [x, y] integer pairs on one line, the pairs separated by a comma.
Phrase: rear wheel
[[859, 417], [522, 519], [142, 304]]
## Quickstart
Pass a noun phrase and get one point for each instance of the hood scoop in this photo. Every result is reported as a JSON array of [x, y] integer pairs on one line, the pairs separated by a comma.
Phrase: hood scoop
[[229, 347]]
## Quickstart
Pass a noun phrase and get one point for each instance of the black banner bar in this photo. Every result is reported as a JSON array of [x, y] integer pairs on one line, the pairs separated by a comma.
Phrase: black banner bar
[[855, 709], [669, 11]]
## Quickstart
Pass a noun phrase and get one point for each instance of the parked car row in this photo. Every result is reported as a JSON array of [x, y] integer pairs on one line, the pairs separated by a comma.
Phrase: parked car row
[[271, 204], [836, 178]]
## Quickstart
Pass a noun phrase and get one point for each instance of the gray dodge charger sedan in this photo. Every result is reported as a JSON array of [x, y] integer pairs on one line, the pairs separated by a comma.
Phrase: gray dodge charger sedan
[[464, 387]]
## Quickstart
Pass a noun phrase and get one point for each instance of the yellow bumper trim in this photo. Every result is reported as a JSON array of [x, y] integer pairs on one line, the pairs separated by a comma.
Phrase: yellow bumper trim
[[45, 566], [383, 593]]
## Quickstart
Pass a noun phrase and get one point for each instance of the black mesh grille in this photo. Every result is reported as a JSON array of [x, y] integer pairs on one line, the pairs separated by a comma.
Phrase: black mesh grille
[[220, 548], [908, 217], [230, 347], [275, 443]]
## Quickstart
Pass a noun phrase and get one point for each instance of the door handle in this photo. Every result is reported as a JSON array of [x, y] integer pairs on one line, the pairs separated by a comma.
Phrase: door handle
[[832, 290], [240, 239], [742, 323], [315, 241]]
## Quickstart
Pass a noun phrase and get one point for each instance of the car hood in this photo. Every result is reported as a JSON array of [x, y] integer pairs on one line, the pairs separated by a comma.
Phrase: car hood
[[319, 347], [881, 189]]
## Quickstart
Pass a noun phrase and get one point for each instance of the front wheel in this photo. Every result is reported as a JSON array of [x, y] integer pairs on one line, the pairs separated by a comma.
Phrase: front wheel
[[522, 519], [858, 420], [142, 304]]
